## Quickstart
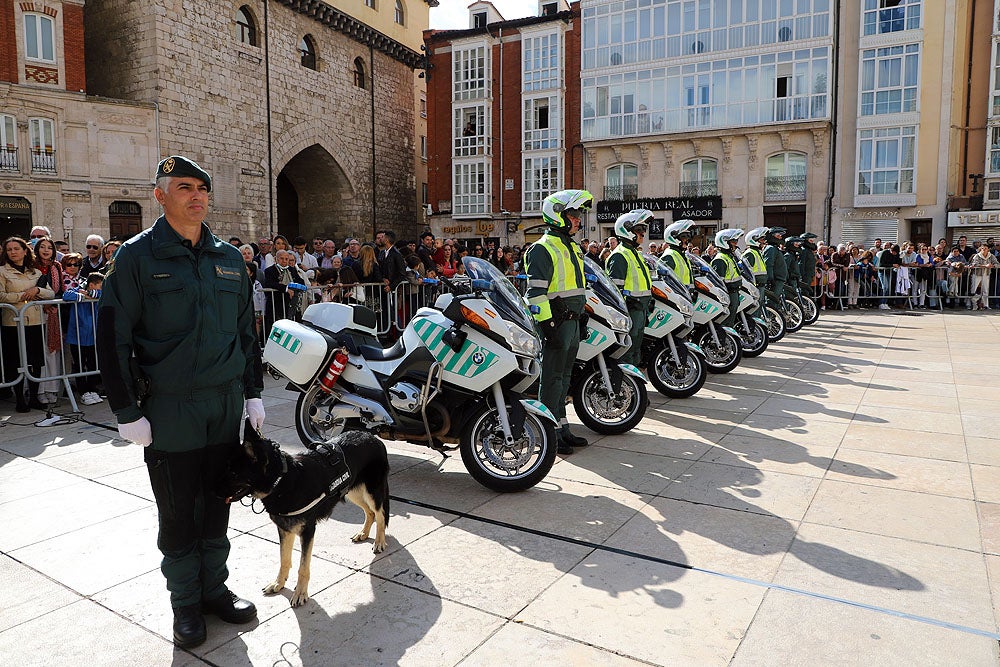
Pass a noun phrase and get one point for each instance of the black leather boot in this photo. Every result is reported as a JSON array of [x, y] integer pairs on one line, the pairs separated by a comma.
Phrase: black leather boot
[[189, 626], [231, 608], [573, 440]]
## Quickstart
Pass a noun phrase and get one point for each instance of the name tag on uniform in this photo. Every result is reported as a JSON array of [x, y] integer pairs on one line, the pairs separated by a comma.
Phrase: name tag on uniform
[[227, 273], [160, 276]]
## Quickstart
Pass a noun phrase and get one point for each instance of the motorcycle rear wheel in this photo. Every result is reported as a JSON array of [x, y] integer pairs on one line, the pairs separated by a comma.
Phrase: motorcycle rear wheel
[[609, 415], [793, 317], [724, 357], [810, 313], [676, 382], [754, 341], [313, 421], [502, 467]]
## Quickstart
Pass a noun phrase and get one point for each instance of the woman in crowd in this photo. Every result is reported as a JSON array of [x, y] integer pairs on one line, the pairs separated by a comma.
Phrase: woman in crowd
[[852, 279], [924, 284], [247, 251], [110, 248], [52, 277], [982, 265], [447, 266], [19, 286], [279, 242]]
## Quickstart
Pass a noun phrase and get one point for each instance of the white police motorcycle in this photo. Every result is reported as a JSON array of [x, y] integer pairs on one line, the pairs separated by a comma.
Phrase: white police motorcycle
[[675, 366], [456, 375], [722, 345], [609, 398], [752, 330]]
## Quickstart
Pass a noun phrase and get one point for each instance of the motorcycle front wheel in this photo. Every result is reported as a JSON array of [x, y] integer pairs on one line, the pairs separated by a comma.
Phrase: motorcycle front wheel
[[754, 341], [504, 467], [609, 415], [314, 420], [775, 324], [723, 357], [810, 313], [673, 381], [793, 317]]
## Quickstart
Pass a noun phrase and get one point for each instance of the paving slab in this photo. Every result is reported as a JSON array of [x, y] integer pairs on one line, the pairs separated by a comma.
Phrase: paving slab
[[28, 594]]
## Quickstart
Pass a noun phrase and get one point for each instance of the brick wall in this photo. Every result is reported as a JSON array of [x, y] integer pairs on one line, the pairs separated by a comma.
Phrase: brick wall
[[8, 45], [439, 125], [76, 79], [573, 176], [507, 59]]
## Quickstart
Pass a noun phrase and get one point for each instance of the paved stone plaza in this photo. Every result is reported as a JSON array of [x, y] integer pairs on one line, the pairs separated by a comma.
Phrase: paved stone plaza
[[834, 501]]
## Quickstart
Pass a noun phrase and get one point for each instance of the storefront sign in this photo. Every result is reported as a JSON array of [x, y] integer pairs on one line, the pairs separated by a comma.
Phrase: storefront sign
[[457, 230], [484, 228], [15, 205], [974, 218], [695, 208], [872, 214]]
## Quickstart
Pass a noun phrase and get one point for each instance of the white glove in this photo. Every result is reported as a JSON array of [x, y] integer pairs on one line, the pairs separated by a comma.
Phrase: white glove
[[139, 432], [255, 412]]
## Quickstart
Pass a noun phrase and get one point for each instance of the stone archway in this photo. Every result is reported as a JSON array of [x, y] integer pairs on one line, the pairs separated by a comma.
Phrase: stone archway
[[314, 196]]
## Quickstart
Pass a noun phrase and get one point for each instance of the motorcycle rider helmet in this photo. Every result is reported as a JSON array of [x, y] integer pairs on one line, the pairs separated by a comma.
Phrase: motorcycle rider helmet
[[678, 231], [776, 235], [726, 236], [755, 235], [627, 223], [559, 203]]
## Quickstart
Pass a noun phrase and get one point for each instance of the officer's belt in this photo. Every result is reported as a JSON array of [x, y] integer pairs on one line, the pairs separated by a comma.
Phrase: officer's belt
[[198, 392]]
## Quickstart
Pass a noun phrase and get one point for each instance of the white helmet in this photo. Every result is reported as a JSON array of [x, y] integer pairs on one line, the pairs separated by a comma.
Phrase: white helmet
[[756, 234], [626, 223], [672, 234], [724, 236], [557, 204]]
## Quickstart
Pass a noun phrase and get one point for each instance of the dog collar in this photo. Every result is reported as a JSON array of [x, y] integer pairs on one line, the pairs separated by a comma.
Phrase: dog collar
[[335, 487], [284, 469]]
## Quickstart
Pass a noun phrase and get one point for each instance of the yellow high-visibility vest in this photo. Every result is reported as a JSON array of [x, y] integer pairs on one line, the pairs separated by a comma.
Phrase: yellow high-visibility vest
[[681, 266], [567, 275], [637, 280]]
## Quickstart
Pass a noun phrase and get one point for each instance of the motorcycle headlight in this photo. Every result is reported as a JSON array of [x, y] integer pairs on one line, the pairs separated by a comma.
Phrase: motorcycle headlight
[[685, 308], [619, 321], [723, 298], [524, 343]]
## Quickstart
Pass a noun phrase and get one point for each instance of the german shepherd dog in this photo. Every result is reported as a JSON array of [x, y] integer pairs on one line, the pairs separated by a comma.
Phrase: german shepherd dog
[[299, 491]]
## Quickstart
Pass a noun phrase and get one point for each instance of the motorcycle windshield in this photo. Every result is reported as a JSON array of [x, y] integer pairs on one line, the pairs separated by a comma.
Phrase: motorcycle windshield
[[701, 267], [605, 290], [502, 293], [744, 268], [667, 275]]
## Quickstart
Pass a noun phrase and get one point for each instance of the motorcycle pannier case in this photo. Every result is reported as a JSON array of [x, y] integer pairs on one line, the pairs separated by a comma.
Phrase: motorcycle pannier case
[[296, 351]]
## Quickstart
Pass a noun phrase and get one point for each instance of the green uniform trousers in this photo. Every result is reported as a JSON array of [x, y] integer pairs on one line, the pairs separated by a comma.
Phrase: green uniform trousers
[[734, 305], [558, 357], [193, 519], [776, 295], [634, 354]]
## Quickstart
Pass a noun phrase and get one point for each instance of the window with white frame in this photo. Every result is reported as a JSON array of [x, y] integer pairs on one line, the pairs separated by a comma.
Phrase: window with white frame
[[370, 4], [471, 189], [540, 179], [540, 62], [994, 161], [882, 16], [699, 178], [541, 123], [621, 182], [995, 107], [423, 107], [8, 143], [423, 147], [469, 73], [886, 160], [39, 38], [889, 79], [41, 133], [470, 130], [993, 191], [785, 178]]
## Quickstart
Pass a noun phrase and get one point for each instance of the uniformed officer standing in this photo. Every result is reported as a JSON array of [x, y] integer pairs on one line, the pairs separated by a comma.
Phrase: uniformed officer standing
[[629, 271], [793, 245], [724, 263], [753, 258], [673, 254], [777, 270], [556, 285], [180, 361], [807, 262]]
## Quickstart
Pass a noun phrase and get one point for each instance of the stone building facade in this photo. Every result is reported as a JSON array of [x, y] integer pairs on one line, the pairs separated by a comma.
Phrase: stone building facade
[[303, 114], [75, 163]]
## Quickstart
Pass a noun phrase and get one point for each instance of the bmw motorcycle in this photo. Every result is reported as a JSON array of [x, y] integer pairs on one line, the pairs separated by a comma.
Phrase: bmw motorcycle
[[675, 366], [608, 397], [752, 330], [722, 345], [456, 375]]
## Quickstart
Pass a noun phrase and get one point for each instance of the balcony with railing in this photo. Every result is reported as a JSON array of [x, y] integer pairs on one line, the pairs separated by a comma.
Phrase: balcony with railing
[[43, 161], [8, 158], [784, 188], [700, 188], [621, 192]]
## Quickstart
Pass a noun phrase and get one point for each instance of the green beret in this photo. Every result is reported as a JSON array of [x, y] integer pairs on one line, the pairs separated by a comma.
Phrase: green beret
[[178, 165]]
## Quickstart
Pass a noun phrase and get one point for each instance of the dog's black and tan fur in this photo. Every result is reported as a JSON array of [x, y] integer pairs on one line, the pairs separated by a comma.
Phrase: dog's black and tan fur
[[286, 484]]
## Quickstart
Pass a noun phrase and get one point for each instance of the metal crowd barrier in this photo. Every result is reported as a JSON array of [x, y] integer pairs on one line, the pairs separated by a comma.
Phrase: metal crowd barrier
[[936, 288]]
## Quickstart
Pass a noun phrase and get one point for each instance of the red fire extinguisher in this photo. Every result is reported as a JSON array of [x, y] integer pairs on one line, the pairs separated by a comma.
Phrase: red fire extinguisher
[[337, 366]]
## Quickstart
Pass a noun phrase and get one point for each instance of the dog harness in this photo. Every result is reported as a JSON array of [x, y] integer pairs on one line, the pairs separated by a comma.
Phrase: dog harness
[[333, 456]]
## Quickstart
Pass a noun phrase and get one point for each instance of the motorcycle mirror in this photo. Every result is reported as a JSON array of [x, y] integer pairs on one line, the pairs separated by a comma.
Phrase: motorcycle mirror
[[481, 285], [591, 278], [431, 281], [534, 310]]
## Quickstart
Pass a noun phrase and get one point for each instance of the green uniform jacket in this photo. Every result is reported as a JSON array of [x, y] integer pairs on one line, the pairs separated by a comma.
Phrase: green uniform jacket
[[538, 266], [807, 264], [775, 263], [187, 315], [792, 262]]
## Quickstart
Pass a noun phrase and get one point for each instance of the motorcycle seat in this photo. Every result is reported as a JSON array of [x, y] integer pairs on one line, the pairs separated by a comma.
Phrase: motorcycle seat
[[376, 353]]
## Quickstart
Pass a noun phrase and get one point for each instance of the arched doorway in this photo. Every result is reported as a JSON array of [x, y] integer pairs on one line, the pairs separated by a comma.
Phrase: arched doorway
[[314, 197]]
